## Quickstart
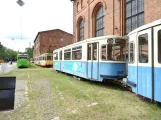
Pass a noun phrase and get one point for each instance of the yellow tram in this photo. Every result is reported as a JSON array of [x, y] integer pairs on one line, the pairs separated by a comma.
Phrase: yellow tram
[[45, 60]]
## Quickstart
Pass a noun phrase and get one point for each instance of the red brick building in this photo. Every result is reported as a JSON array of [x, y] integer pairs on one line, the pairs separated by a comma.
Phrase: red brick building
[[46, 41], [93, 18]]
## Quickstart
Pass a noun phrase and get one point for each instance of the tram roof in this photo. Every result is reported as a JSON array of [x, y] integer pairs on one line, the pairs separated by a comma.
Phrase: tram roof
[[157, 22], [94, 39]]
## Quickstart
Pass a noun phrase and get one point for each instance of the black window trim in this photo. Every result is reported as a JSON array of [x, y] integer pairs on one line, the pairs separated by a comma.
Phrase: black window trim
[[158, 47]]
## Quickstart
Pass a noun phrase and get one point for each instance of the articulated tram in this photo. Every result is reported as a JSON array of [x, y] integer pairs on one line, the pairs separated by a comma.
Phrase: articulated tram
[[104, 58], [144, 64], [97, 59]]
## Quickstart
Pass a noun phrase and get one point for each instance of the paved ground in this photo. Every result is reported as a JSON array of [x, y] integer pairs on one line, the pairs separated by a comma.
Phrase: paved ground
[[6, 67]]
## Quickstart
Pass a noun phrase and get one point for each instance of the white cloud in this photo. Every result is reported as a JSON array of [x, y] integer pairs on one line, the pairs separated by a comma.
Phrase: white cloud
[[34, 16]]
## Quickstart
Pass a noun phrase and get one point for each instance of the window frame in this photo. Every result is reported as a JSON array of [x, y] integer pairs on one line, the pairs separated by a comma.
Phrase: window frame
[[129, 19], [64, 51], [139, 49], [129, 56], [158, 46], [105, 60], [57, 55], [98, 19], [81, 28], [77, 49]]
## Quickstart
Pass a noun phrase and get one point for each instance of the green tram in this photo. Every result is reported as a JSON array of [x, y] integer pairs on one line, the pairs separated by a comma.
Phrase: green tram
[[22, 60]]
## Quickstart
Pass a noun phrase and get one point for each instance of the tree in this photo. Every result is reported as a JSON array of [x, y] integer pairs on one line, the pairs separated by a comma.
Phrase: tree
[[7, 54], [29, 51]]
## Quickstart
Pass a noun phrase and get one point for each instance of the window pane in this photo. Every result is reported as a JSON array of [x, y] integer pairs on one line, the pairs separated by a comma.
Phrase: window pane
[[60, 55], [77, 53], [89, 52], [131, 52], [143, 48], [140, 5], [99, 22], [134, 7], [134, 14], [128, 10], [140, 20], [48, 57], [128, 26], [56, 56], [134, 22], [81, 30], [104, 57], [67, 54], [159, 46], [94, 51]]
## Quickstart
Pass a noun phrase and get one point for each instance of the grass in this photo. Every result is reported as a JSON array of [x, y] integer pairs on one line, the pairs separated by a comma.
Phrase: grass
[[71, 98]]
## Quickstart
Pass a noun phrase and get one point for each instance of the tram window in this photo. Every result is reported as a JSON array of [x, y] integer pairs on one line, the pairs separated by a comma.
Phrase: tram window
[[143, 48], [89, 52], [159, 46], [131, 52], [22, 58], [104, 56], [77, 53], [48, 57], [114, 52], [94, 51], [56, 56], [67, 54], [60, 55]]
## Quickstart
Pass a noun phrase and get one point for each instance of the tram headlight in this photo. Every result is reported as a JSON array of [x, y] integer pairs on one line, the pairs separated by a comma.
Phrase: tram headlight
[[110, 41]]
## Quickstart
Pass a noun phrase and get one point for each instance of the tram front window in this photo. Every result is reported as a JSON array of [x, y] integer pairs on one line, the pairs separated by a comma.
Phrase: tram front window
[[49, 57], [114, 52], [22, 58]]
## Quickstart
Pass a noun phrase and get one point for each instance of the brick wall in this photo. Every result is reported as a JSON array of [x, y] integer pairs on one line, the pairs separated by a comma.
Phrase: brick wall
[[114, 15], [152, 10], [50, 40]]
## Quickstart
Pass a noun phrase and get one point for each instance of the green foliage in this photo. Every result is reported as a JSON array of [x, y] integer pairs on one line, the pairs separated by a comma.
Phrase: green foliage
[[49, 51], [7, 54], [29, 51]]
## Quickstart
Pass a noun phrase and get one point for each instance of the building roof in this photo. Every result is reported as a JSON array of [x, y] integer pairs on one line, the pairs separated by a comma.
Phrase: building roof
[[49, 31]]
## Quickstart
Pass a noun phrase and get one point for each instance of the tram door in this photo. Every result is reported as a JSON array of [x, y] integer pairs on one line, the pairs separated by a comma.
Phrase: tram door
[[93, 61], [60, 58], [144, 63], [157, 63]]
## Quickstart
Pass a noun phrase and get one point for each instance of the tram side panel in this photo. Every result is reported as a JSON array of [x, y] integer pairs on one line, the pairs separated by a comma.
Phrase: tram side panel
[[112, 70], [80, 66], [157, 63], [132, 63]]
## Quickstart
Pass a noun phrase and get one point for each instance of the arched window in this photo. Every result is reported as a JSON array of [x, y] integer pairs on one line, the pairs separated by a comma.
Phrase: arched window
[[100, 22], [81, 30]]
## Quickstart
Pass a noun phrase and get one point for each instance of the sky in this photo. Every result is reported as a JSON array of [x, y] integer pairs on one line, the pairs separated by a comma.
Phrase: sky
[[20, 25]]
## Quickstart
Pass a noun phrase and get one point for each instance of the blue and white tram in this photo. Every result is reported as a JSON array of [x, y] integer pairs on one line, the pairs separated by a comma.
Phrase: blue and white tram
[[96, 59], [144, 66]]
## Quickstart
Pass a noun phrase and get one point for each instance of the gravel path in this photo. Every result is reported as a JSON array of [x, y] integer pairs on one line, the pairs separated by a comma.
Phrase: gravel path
[[44, 99], [39, 107]]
